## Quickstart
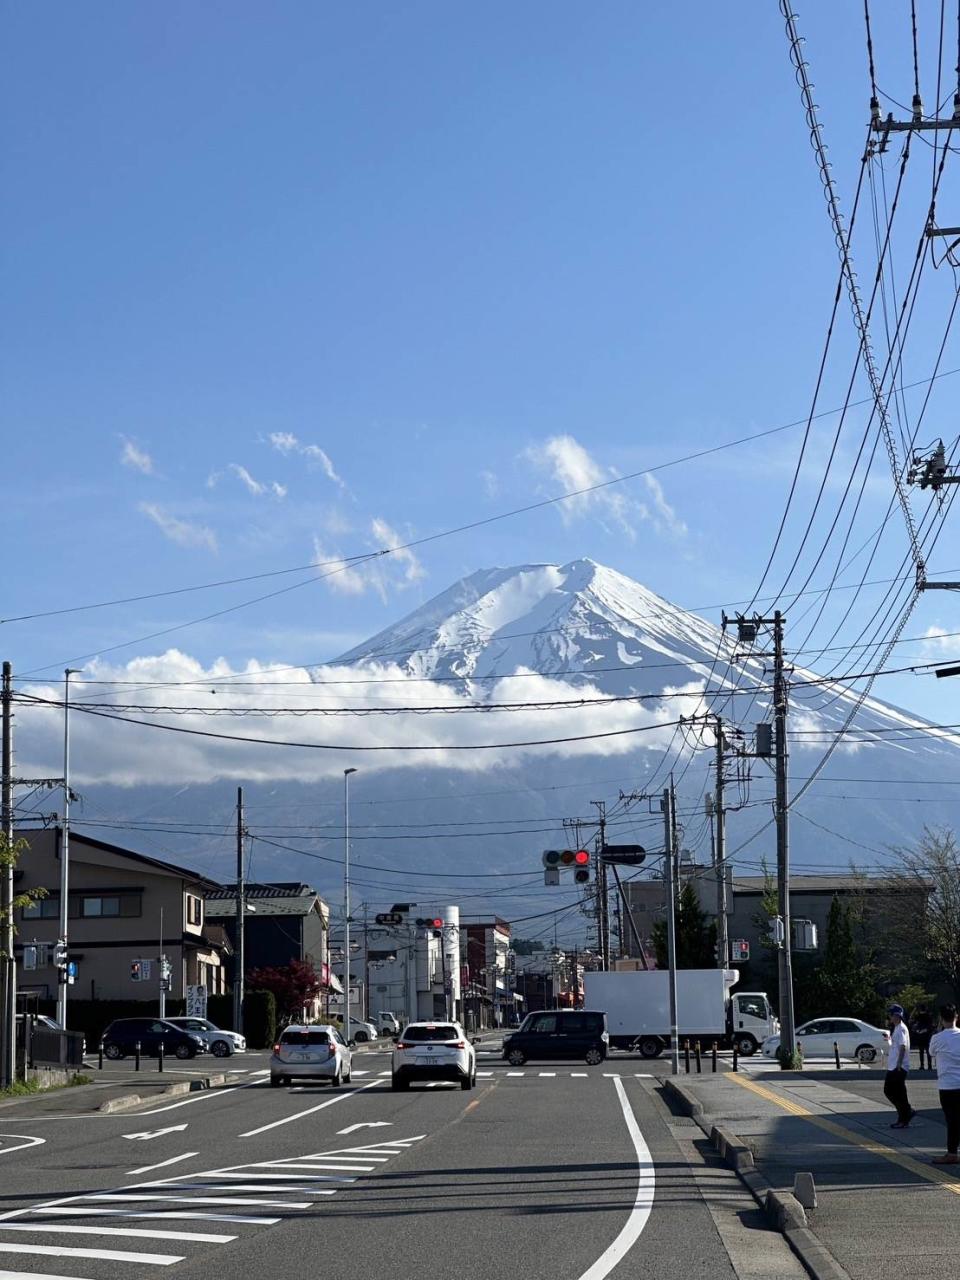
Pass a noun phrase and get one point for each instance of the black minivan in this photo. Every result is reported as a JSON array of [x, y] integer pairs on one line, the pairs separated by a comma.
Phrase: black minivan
[[121, 1037], [558, 1033]]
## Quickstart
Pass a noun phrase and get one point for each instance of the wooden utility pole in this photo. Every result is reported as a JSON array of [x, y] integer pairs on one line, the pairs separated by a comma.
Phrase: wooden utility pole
[[720, 850], [8, 965], [238, 954]]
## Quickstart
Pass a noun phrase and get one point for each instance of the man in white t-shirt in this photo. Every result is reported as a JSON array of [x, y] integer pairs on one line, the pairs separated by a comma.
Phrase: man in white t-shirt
[[945, 1051], [898, 1064]]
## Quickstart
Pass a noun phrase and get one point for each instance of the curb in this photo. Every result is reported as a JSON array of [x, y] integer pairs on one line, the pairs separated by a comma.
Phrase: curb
[[128, 1100], [782, 1208]]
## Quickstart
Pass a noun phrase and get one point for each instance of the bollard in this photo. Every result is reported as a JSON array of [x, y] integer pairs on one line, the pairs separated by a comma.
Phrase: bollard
[[714, 1057], [836, 1054], [696, 1049], [136, 1048], [686, 1055], [735, 1055], [101, 1056], [160, 1056]]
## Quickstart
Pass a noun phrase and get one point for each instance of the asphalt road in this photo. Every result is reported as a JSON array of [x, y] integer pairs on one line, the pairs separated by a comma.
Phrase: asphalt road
[[554, 1172]]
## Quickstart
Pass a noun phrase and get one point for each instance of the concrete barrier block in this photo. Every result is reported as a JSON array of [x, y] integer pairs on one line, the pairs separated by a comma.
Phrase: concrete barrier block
[[119, 1104], [805, 1189], [785, 1209]]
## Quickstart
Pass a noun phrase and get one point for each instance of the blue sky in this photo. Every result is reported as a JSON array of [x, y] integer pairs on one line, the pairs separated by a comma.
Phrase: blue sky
[[288, 282]]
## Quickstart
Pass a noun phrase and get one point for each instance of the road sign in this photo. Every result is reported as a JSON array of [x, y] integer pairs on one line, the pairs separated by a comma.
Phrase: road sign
[[197, 1001], [623, 855], [389, 917]]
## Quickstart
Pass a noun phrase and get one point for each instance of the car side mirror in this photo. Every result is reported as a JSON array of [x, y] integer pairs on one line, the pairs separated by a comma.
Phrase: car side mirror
[[474, 1039]]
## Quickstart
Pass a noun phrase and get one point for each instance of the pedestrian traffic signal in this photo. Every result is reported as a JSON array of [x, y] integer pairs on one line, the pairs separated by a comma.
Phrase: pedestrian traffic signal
[[136, 971], [60, 954], [740, 950]]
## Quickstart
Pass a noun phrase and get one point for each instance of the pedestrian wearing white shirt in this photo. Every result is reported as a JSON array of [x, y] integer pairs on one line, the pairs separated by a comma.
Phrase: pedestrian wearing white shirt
[[945, 1050], [898, 1064]]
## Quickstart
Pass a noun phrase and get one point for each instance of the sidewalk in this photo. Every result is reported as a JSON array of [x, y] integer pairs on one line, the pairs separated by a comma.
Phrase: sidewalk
[[884, 1212]]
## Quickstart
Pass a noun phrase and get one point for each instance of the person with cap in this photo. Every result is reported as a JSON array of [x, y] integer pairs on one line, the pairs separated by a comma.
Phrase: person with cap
[[945, 1047], [898, 1064]]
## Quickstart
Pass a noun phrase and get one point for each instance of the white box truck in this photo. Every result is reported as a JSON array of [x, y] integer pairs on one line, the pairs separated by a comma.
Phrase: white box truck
[[637, 1005]]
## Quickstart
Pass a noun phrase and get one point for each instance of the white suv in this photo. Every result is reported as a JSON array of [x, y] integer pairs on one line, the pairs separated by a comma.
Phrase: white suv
[[434, 1051], [310, 1053]]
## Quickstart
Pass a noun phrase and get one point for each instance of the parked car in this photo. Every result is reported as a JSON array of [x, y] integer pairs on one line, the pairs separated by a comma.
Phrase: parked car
[[360, 1031], [222, 1044], [121, 1037], [855, 1039], [560, 1033], [310, 1053], [433, 1051], [387, 1023]]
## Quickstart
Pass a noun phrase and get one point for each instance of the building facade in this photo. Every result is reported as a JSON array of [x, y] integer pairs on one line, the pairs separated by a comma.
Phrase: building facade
[[124, 907]]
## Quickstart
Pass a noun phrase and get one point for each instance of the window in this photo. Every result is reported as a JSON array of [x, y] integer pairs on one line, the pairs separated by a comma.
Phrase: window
[[545, 1024], [302, 1038], [431, 1034], [752, 1006], [44, 909], [194, 910]]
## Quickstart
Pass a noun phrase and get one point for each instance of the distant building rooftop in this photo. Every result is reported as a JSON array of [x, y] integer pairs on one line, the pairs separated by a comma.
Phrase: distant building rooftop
[[828, 883]]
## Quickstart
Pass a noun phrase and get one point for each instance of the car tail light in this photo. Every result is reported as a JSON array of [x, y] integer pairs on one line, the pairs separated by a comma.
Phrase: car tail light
[[276, 1047], [459, 1044], [402, 1045]]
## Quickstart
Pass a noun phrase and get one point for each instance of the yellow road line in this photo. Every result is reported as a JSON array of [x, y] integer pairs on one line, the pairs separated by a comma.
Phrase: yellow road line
[[929, 1172]]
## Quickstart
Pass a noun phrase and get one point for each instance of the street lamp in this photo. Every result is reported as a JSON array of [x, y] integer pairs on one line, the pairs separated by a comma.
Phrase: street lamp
[[346, 903]]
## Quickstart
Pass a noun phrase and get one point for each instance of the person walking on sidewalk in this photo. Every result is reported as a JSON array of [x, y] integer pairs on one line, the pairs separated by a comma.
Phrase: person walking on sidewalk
[[945, 1047], [898, 1064], [921, 1030]]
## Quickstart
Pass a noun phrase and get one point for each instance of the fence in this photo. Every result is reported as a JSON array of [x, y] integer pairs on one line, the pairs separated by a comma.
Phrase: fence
[[40, 1046]]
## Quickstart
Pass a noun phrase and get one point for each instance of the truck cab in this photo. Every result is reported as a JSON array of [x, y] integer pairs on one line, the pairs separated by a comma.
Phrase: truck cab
[[387, 1023], [751, 1020]]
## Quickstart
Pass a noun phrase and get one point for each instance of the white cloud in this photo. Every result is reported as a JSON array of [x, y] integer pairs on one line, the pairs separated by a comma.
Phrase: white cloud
[[136, 458], [137, 754], [570, 468], [384, 536], [381, 573], [286, 442], [252, 485], [182, 532], [340, 577], [246, 479], [491, 483]]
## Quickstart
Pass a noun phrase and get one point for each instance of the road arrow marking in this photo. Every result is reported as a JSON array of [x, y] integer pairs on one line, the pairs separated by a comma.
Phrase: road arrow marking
[[367, 1124], [157, 1133]]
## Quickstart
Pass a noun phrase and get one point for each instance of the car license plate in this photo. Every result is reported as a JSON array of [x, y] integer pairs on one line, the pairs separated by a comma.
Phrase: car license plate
[[425, 1062], [299, 1057]]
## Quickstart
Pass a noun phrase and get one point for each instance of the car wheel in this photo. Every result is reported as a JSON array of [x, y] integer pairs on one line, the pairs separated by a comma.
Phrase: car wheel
[[113, 1052], [184, 1051], [593, 1058], [220, 1049], [746, 1045], [866, 1053], [276, 1082], [516, 1057], [466, 1083], [337, 1080], [650, 1047], [361, 1037]]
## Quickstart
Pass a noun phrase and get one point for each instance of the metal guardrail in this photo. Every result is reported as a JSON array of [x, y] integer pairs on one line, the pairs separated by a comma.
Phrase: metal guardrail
[[45, 1047]]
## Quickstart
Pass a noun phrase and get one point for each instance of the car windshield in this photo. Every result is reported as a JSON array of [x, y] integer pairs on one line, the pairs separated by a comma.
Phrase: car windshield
[[302, 1038], [438, 1033]]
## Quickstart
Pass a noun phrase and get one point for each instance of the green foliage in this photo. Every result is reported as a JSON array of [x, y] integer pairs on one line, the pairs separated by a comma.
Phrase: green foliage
[[696, 935], [790, 1061], [929, 871], [846, 982], [259, 1019], [10, 854], [912, 996], [527, 946]]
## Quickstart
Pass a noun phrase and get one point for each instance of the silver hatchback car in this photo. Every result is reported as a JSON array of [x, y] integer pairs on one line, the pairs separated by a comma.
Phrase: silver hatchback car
[[310, 1053]]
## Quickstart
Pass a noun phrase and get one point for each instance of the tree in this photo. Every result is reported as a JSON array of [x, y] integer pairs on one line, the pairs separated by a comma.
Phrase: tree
[[293, 985], [928, 877], [696, 936], [846, 979], [10, 854]]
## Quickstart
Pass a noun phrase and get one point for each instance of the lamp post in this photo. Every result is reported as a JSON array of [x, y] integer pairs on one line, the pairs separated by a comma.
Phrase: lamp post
[[346, 903], [63, 949]]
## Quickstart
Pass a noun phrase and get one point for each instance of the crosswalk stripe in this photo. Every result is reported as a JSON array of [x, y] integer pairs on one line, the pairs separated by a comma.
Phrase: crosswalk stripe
[[485, 1073], [164, 1215], [579, 1075], [65, 1228], [296, 1168], [516, 1073], [273, 1204], [239, 1186], [105, 1255], [264, 1177], [337, 1166], [544, 1074]]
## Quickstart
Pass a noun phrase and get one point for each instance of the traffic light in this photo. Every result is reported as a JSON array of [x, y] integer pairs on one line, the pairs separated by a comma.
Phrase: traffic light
[[581, 866], [60, 954], [740, 951], [557, 860], [776, 931], [166, 974], [136, 971], [429, 922]]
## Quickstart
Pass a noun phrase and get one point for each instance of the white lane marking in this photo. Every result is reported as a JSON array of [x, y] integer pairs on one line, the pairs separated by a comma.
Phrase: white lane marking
[[336, 1166], [359, 1073], [629, 1234], [546, 1074], [299, 1115], [579, 1075], [516, 1073], [200, 1096], [23, 1141], [366, 1124], [643, 1075], [484, 1073], [296, 1168], [164, 1215], [105, 1255], [611, 1075], [71, 1228], [149, 1168], [239, 1186], [281, 1177], [273, 1204], [157, 1133], [32, 1275]]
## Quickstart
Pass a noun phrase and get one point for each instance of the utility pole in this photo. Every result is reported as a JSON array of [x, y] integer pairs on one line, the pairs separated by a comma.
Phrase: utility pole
[[603, 901], [788, 1041], [719, 851], [240, 949], [669, 855], [162, 968], [8, 1032], [346, 903], [64, 948]]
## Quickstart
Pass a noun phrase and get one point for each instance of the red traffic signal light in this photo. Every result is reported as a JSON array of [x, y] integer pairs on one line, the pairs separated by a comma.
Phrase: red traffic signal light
[[582, 857], [438, 924]]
